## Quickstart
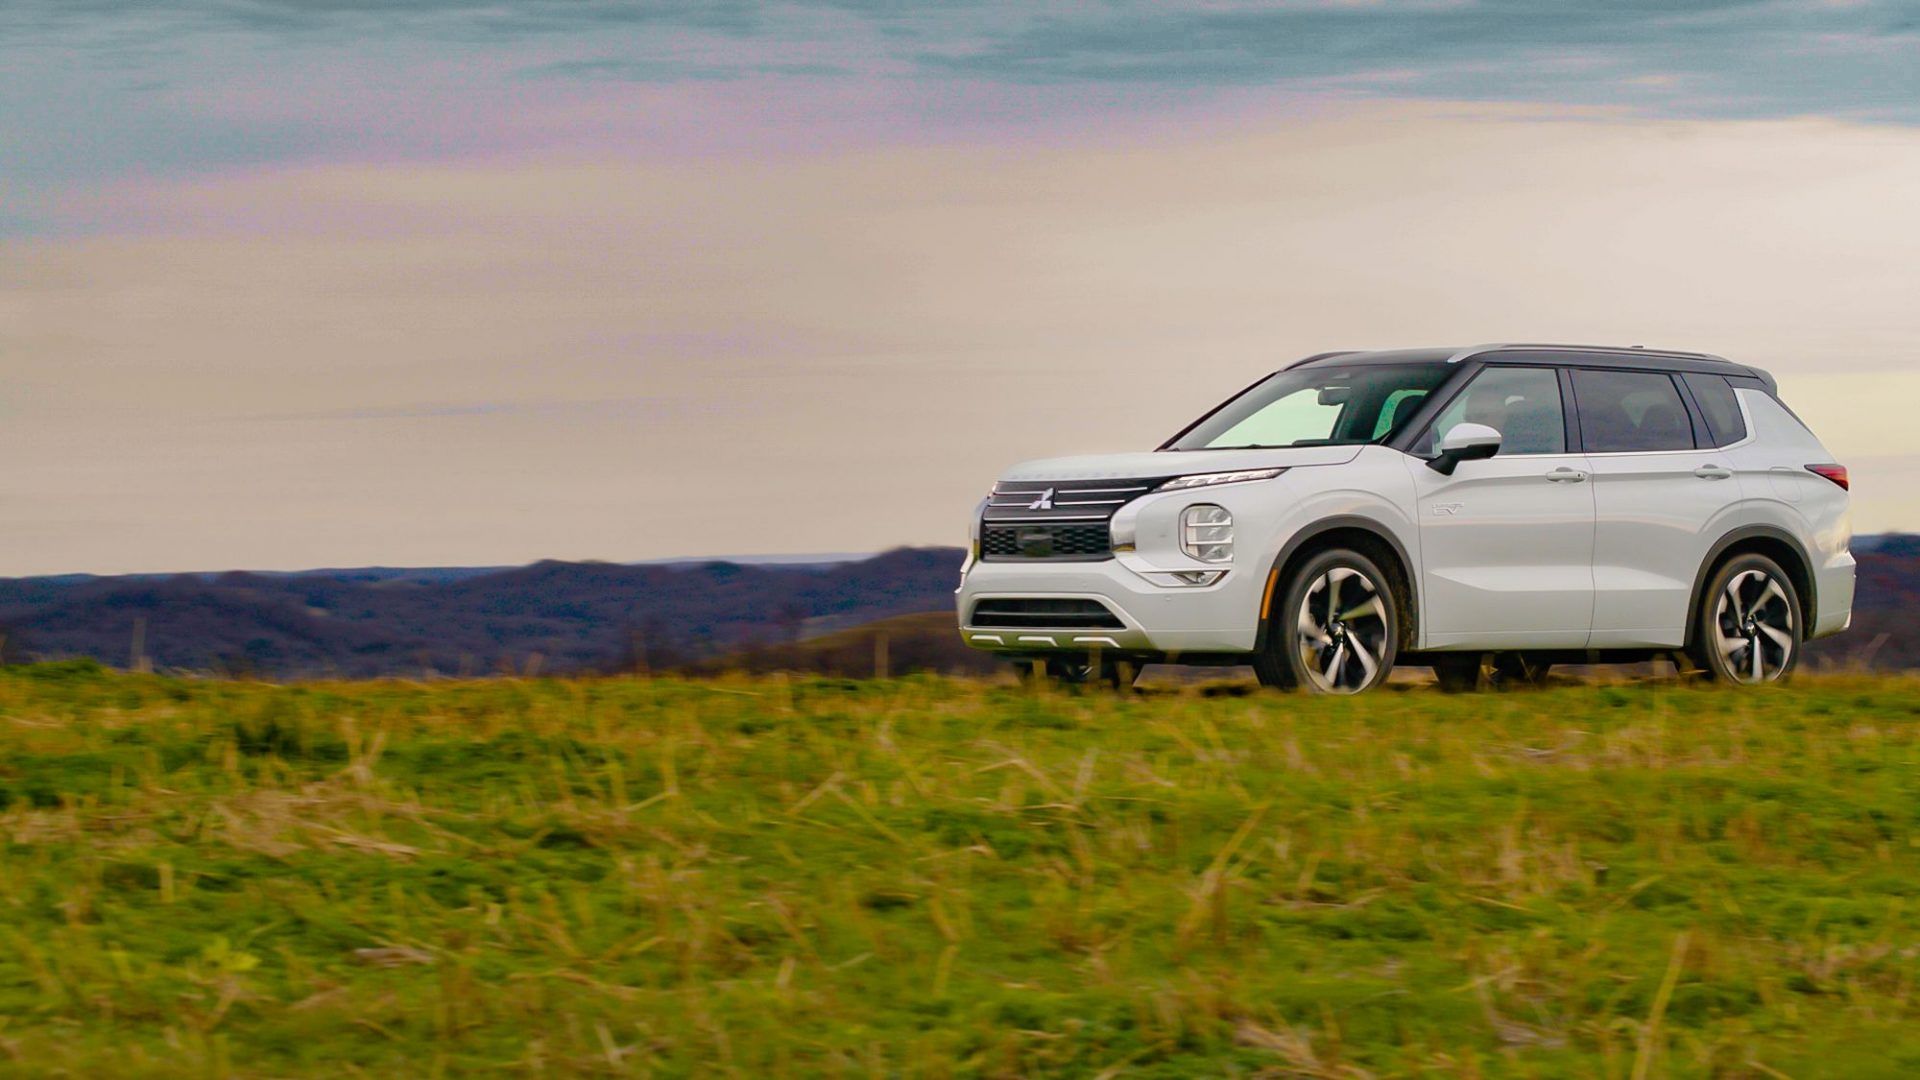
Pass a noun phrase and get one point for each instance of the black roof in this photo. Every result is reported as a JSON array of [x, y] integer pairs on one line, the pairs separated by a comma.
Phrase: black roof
[[1634, 356]]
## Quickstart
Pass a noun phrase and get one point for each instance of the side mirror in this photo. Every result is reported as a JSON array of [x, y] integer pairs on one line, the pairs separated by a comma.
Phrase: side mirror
[[1464, 442]]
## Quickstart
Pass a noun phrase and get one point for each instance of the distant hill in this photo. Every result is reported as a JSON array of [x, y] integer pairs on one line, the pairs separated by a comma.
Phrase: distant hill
[[553, 615], [1886, 608], [578, 617]]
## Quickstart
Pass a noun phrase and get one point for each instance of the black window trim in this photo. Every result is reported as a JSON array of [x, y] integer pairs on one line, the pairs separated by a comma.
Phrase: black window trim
[[1702, 431], [1570, 408], [1738, 377]]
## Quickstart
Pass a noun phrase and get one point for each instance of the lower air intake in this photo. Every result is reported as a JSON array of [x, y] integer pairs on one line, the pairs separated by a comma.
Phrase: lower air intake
[[1028, 613]]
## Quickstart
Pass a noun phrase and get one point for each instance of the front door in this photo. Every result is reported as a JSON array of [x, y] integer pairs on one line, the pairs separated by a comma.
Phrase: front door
[[1506, 543]]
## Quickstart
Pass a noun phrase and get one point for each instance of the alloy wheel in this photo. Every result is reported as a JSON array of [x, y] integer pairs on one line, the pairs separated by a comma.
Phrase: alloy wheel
[[1342, 632], [1753, 623]]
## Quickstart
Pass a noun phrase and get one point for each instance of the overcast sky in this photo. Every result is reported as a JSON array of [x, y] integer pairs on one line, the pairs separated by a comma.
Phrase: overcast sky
[[294, 283]]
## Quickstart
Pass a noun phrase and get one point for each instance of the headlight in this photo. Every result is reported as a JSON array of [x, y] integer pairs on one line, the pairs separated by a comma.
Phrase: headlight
[[1213, 479], [1206, 533]]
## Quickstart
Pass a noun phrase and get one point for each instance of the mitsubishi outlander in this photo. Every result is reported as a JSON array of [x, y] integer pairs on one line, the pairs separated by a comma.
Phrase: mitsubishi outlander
[[1485, 512]]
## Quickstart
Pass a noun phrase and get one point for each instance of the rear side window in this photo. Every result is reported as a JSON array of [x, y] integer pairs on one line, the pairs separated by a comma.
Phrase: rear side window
[[1627, 411], [1717, 404]]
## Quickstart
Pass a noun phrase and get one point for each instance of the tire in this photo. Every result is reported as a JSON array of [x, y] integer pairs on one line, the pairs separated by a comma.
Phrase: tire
[[1750, 626], [1336, 629], [1458, 673]]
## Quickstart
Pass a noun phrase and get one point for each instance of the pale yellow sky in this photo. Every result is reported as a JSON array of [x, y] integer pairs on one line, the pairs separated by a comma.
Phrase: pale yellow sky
[[494, 362]]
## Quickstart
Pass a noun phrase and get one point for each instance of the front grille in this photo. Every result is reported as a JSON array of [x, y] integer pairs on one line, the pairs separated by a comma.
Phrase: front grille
[[1062, 541], [1028, 613], [1063, 500], [1055, 519]]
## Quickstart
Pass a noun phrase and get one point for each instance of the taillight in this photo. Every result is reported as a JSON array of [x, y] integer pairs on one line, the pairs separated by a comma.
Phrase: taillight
[[1835, 473]]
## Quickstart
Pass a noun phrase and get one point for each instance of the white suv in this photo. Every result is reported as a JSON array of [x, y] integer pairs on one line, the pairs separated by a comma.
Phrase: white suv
[[1485, 512]]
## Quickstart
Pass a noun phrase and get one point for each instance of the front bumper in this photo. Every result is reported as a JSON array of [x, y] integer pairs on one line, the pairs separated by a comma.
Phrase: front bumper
[[1156, 620]]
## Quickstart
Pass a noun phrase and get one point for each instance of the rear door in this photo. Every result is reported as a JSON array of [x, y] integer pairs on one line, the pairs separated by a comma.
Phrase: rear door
[[1506, 544], [1661, 493]]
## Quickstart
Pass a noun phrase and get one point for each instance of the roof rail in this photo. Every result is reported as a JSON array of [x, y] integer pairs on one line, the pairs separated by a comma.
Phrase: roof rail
[[1615, 350]]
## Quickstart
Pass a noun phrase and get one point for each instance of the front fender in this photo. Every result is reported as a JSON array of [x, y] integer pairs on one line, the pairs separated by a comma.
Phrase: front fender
[[1372, 494]]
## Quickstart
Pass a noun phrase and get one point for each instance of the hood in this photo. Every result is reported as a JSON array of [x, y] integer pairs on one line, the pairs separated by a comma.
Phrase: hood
[[1175, 463]]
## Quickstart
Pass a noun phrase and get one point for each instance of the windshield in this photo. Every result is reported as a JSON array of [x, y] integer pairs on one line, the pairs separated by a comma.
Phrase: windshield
[[1318, 406]]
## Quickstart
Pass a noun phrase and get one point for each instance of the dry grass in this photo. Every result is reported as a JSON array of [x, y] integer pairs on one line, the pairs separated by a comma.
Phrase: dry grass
[[937, 877]]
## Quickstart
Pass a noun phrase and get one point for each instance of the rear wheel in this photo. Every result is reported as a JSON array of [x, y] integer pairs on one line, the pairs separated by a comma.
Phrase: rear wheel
[[1749, 626], [1336, 629]]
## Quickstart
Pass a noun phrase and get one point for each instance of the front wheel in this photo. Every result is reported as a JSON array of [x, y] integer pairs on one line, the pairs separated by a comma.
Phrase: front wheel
[[1336, 629], [1749, 627]]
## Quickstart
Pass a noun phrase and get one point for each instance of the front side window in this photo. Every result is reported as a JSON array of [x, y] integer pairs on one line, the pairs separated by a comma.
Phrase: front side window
[[1630, 411], [1521, 403], [1318, 406]]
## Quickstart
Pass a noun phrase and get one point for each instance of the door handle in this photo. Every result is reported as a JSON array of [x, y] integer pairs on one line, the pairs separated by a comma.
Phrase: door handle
[[1564, 475], [1713, 472]]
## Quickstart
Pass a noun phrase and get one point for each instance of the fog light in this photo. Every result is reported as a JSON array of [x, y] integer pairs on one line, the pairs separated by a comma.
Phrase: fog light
[[1206, 533]]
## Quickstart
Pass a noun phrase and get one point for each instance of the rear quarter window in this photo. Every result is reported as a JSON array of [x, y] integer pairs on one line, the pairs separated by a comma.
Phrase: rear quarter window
[[1715, 397]]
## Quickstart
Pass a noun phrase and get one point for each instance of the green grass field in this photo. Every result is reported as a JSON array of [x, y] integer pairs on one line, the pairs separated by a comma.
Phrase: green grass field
[[935, 877]]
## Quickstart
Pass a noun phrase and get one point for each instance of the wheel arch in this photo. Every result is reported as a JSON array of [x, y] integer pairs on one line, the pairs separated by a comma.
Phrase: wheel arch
[[1366, 535], [1775, 543]]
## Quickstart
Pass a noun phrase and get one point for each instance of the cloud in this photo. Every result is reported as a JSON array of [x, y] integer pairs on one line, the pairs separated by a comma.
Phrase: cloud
[[1730, 57], [100, 91], [1722, 57], [615, 69], [453, 19]]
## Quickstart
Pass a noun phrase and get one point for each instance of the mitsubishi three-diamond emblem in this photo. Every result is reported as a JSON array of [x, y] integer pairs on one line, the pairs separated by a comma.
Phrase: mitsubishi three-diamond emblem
[[1044, 502]]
